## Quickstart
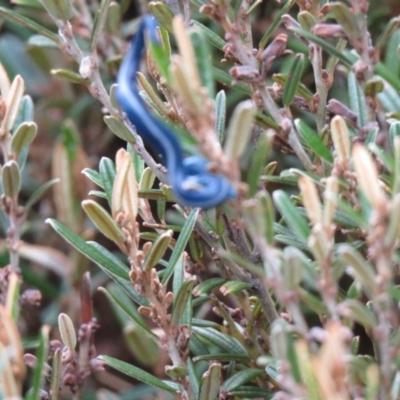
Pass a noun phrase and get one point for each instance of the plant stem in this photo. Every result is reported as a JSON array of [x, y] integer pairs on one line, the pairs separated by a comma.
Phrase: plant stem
[[320, 85]]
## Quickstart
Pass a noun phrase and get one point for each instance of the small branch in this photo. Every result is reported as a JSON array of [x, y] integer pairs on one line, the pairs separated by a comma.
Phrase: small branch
[[321, 87], [292, 139], [265, 299]]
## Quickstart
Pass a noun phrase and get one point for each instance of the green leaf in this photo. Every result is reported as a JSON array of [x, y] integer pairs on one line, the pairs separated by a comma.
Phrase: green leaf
[[107, 174], [388, 75], [389, 98], [313, 140], [354, 218], [294, 76], [122, 302], [193, 378], [157, 250], [41, 355], [322, 43], [152, 194], [29, 3], [197, 347], [211, 36], [392, 57], [357, 99], [220, 115], [277, 20], [203, 323], [162, 59], [386, 159], [222, 357], [11, 179], [98, 193], [393, 132], [136, 373], [41, 41], [94, 176], [56, 373], [99, 23], [163, 14], [234, 287], [357, 311], [226, 79], [110, 264], [307, 20], [23, 136], [223, 341], [178, 280], [152, 97], [347, 20], [20, 20], [59, 9], [240, 378], [117, 127], [301, 90], [291, 215], [181, 243], [25, 114], [251, 392], [182, 300], [361, 270], [203, 60], [210, 382], [313, 302], [208, 285], [258, 161], [103, 221], [70, 76]]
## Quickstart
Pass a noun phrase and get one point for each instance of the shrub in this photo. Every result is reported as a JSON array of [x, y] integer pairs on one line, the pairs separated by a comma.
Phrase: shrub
[[286, 290]]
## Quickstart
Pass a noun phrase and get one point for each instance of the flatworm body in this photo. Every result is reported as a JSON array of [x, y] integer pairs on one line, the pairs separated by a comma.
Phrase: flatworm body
[[192, 184]]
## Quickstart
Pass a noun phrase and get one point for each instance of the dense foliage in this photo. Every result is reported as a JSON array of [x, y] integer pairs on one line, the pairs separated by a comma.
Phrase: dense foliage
[[111, 289]]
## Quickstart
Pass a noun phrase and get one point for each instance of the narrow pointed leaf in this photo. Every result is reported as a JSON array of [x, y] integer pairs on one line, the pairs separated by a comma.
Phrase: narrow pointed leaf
[[103, 221], [181, 301], [291, 215], [157, 250], [23, 136], [277, 20], [38, 373], [357, 99], [59, 9], [107, 174], [203, 60], [126, 308], [20, 20], [109, 263], [193, 378], [240, 378], [208, 285], [117, 127], [136, 373], [251, 392], [210, 35], [313, 140], [321, 42], [181, 243], [223, 341], [220, 115], [294, 76], [210, 382], [99, 23]]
